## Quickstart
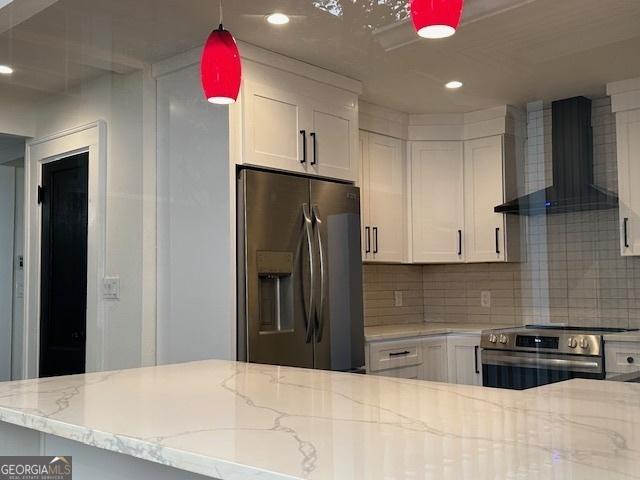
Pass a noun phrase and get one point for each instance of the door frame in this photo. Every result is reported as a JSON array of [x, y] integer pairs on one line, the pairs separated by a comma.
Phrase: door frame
[[89, 138]]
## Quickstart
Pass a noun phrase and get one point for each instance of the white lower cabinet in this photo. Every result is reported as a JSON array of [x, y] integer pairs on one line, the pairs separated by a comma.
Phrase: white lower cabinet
[[621, 357], [463, 357], [446, 358], [434, 363]]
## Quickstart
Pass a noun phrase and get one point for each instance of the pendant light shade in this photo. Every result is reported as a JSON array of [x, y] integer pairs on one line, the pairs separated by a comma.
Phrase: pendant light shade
[[220, 68], [436, 18]]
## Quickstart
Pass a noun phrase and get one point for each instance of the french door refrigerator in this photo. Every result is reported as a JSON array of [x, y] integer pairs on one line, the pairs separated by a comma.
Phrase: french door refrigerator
[[299, 272]]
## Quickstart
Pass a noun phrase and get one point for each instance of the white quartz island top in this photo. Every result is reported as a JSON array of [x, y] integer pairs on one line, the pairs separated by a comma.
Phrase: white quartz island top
[[234, 421]]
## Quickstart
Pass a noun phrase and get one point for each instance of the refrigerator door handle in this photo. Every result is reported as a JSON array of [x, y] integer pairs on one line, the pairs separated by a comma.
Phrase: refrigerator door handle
[[312, 270], [320, 313]]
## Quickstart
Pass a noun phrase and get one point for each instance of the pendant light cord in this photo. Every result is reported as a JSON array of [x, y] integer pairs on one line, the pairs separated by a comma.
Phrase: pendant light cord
[[221, 15]]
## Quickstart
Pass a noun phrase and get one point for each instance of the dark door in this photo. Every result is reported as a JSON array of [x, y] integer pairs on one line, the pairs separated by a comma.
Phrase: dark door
[[339, 328], [276, 243], [63, 305]]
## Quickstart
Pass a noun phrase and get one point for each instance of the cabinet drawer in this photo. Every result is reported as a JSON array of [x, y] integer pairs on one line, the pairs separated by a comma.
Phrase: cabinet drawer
[[622, 357], [386, 355]]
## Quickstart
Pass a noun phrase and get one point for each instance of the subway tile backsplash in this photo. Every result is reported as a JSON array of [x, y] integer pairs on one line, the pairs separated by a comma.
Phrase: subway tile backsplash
[[573, 272]]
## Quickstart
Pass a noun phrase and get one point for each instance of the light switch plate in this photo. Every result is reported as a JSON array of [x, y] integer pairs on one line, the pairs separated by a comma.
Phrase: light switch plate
[[485, 299], [397, 297], [111, 288]]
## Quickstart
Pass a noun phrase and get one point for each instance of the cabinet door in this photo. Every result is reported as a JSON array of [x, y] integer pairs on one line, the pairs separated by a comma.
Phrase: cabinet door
[[272, 122], [333, 140], [463, 358], [364, 197], [434, 359], [483, 179], [385, 179], [437, 197], [628, 133]]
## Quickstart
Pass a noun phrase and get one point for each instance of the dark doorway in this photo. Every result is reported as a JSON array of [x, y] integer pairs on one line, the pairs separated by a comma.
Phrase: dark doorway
[[63, 290]]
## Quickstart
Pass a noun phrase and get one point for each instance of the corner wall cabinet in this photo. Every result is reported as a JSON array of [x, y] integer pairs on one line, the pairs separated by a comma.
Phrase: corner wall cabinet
[[383, 197], [455, 186]]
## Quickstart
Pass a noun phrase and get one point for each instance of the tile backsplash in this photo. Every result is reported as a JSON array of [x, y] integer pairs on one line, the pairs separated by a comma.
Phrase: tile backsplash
[[573, 272]]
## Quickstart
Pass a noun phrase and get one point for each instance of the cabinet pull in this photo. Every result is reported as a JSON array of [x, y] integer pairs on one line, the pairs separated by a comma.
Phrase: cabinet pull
[[459, 242], [475, 351], [375, 239], [315, 149], [630, 360], [304, 146], [626, 232], [399, 354], [368, 240], [498, 240]]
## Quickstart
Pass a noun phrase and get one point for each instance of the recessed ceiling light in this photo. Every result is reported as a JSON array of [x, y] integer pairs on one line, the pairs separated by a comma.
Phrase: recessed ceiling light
[[278, 19], [454, 84], [6, 70]]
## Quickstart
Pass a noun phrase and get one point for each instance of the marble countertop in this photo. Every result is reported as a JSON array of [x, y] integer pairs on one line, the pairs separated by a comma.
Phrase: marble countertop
[[391, 332], [234, 420], [622, 337]]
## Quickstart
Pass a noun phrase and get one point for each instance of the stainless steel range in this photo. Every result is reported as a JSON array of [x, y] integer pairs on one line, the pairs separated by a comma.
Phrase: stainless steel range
[[534, 355]]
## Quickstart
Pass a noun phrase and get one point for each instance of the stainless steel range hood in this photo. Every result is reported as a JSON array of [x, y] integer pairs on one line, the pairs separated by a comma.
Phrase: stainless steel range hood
[[573, 189]]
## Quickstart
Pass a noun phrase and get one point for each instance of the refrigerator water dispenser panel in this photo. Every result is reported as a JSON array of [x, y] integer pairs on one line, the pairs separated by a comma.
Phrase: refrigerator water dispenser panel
[[275, 297]]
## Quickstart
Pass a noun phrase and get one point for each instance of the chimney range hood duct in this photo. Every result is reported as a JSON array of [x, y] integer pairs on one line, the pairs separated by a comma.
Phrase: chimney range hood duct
[[573, 189]]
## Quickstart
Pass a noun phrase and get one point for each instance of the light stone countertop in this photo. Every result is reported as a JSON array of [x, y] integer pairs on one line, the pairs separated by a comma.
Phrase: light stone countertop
[[392, 332], [235, 420], [622, 337]]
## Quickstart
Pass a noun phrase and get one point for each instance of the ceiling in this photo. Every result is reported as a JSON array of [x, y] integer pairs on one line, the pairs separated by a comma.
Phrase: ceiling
[[506, 51]]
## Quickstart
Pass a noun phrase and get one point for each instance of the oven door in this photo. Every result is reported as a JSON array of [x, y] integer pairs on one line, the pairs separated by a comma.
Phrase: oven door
[[522, 370]]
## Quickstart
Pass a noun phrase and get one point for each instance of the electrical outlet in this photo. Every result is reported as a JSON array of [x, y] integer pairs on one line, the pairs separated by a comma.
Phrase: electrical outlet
[[397, 295], [111, 288], [485, 299]]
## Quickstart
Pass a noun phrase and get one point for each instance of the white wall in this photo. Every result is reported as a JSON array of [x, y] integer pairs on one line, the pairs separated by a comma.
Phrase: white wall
[[196, 285], [118, 100]]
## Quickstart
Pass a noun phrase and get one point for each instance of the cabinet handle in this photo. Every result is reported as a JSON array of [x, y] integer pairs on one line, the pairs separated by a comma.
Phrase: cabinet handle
[[304, 146], [475, 351], [368, 241], [626, 232], [315, 149], [630, 360], [375, 239], [399, 354], [459, 242], [498, 240]]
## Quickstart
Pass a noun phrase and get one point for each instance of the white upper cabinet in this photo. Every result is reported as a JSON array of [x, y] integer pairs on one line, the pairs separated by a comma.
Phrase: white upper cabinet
[[628, 132], [625, 103], [384, 198], [437, 202], [333, 141], [273, 122], [287, 121], [485, 229]]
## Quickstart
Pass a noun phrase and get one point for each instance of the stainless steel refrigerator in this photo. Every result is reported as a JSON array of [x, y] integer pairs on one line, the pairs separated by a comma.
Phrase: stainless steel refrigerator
[[299, 272]]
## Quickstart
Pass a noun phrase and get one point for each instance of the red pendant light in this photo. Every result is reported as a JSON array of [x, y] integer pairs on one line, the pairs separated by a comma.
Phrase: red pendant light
[[220, 68], [436, 18]]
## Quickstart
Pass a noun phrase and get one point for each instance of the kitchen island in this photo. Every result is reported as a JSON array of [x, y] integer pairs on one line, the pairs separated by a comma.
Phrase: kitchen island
[[229, 420]]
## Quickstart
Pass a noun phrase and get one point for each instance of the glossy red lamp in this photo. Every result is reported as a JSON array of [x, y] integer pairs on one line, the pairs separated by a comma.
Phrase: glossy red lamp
[[220, 67], [436, 18]]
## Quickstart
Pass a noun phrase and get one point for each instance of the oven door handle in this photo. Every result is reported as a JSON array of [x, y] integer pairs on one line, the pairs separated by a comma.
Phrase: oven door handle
[[540, 362]]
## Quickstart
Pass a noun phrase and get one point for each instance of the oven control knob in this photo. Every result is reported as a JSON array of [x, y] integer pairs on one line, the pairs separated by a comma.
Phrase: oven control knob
[[584, 343], [503, 339], [572, 343], [493, 338]]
